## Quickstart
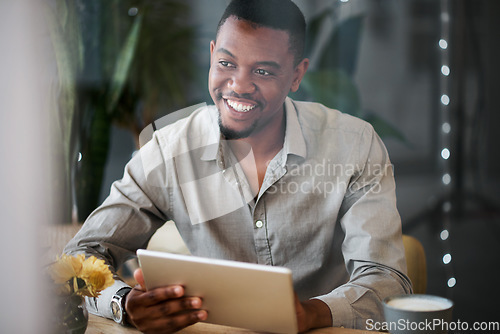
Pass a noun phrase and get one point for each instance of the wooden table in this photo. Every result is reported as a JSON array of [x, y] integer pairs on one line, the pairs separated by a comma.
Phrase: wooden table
[[98, 325]]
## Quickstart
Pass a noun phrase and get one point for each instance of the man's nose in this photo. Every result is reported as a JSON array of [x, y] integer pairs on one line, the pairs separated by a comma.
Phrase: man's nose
[[241, 83]]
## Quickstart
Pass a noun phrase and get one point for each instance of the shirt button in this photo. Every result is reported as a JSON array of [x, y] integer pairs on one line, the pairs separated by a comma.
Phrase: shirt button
[[259, 224]]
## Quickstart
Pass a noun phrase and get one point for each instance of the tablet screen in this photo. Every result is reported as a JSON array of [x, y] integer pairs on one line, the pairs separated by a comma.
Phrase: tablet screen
[[237, 294]]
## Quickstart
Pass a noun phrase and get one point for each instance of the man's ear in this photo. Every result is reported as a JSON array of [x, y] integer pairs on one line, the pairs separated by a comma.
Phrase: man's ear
[[212, 48], [300, 70]]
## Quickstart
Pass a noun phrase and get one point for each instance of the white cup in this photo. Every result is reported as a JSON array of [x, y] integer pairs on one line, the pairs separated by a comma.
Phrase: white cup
[[407, 314]]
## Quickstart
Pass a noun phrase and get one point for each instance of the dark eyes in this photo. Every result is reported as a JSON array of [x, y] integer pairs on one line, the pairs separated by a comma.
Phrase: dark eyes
[[263, 72], [225, 63], [258, 71]]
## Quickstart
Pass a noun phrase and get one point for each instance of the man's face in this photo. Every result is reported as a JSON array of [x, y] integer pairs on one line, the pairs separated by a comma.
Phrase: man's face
[[251, 72]]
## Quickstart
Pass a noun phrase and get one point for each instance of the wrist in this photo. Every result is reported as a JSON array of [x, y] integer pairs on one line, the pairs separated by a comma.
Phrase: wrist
[[118, 306], [318, 314]]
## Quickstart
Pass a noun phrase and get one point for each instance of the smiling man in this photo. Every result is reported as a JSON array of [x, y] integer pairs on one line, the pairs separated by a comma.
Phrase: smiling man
[[252, 71], [253, 68], [259, 178]]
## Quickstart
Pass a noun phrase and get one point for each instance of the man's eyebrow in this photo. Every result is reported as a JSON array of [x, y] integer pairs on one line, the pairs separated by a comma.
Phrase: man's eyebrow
[[226, 51], [270, 64]]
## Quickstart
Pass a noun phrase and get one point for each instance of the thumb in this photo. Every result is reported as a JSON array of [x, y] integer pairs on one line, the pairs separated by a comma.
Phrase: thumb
[[139, 277], [301, 314]]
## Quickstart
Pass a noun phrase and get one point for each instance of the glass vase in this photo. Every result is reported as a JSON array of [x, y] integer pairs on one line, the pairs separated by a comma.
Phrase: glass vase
[[72, 316]]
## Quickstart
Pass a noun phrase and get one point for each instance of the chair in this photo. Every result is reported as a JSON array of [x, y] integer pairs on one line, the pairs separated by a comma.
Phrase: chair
[[168, 239], [416, 264]]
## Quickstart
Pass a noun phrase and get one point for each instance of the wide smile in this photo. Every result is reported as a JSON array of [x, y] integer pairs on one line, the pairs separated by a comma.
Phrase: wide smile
[[239, 106]]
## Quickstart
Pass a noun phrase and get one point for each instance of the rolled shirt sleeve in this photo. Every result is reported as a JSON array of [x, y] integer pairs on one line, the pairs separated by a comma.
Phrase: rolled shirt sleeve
[[372, 248], [126, 220]]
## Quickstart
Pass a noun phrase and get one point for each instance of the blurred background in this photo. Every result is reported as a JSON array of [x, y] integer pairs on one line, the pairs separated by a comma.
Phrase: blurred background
[[424, 73]]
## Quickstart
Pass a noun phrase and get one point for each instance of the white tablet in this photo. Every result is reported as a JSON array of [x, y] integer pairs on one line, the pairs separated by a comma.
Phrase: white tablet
[[236, 294]]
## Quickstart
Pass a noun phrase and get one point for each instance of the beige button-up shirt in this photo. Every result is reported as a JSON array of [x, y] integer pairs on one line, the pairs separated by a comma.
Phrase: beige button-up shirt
[[326, 208]]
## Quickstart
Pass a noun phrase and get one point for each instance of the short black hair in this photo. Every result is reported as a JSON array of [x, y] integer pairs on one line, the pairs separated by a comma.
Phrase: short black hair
[[275, 14]]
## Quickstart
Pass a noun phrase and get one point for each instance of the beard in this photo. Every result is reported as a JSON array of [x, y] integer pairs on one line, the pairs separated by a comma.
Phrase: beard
[[229, 133]]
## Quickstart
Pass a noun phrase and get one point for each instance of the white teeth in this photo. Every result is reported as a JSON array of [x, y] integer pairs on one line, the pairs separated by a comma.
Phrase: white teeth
[[240, 107]]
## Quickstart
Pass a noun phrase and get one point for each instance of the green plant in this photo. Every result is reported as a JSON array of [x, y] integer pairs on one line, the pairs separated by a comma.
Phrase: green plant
[[123, 62], [330, 80], [66, 47], [145, 66]]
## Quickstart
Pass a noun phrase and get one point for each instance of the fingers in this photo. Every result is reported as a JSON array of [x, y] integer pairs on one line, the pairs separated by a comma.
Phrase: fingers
[[172, 307], [163, 310], [301, 315], [139, 278], [156, 296]]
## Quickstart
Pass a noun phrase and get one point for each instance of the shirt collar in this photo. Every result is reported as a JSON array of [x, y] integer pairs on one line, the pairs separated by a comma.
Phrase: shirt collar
[[294, 139]]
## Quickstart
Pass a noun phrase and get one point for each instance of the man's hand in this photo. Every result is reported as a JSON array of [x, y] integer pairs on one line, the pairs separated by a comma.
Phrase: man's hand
[[162, 310], [312, 313]]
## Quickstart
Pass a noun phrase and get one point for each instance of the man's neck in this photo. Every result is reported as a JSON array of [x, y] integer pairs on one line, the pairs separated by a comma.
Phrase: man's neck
[[265, 144]]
